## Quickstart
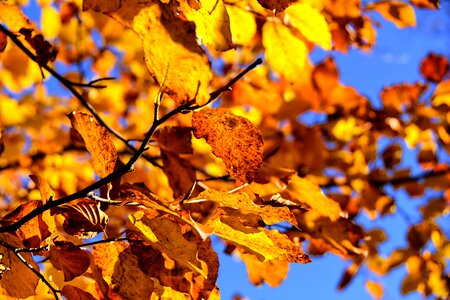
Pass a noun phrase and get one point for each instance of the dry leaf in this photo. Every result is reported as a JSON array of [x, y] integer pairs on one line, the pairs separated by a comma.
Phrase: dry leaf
[[179, 172], [70, 259], [233, 139], [431, 4], [434, 67], [3, 42], [71, 292], [175, 139], [375, 289], [98, 142], [277, 5]]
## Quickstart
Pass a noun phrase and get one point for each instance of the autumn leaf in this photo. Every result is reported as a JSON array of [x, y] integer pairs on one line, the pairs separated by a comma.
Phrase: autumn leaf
[[233, 139], [310, 22], [180, 173], [434, 67], [3, 42], [398, 96], [285, 52], [16, 279], [178, 64], [14, 18], [165, 235], [70, 259], [175, 139], [165, 292], [212, 23], [375, 289], [98, 142], [431, 4], [266, 244], [400, 13], [74, 293], [242, 24], [275, 4], [273, 272], [241, 201], [304, 191]]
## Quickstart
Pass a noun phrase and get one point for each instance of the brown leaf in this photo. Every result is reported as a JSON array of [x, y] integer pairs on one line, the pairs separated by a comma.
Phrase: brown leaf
[[431, 4], [180, 173], [278, 5], [397, 96], [33, 232], [3, 42], [71, 292], [45, 52], [98, 142], [83, 219], [175, 139], [70, 259], [16, 279], [232, 138], [434, 67]]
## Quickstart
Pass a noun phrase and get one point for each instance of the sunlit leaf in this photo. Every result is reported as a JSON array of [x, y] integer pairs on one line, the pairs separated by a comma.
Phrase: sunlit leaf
[[212, 23], [70, 259], [233, 139], [242, 24], [375, 289], [285, 52], [98, 142], [431, 4], [310, 22], [400, 13]]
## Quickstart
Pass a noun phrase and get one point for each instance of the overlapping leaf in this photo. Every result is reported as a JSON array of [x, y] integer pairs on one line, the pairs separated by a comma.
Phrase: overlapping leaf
[[400, 13]]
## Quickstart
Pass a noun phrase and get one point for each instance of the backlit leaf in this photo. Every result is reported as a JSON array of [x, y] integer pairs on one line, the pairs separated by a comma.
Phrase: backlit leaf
[[306, 192], [98, 142], [13, 17], [70, 259], [400, 13], [165, 235], [233, 139], [310, 22], [375, 289], [180, 173], [165, 292], [178, 64], [242, 24], [285, 52], [212, 23], [431, 4], [73, 293], [241, 201]]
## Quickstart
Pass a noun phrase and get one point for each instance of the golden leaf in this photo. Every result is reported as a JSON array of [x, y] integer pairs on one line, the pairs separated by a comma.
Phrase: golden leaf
[[273, 272], [165, 235], [400, 13], [233, 139], [98, 142], [70, 259], [375, 289], [13, 17], [310, 22], [241, 201], [50, 22], [178, 64], [304, 191], [285, 52], [242, 25], [165, 292], [212, 23], [266, 244]]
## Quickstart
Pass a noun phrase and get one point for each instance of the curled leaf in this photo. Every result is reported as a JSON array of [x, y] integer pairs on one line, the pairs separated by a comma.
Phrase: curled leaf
[[232, 138]]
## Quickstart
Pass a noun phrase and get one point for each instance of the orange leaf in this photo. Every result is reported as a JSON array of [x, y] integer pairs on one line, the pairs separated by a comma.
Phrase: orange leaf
[[180, 173], [278, 5], [431, 4], [3, 42], [98, 142], [397, 96], [73, 293], [232, 138], [13, 17], [70, 259], [400, 13], [305, 192], [375, 289], [434, 67]]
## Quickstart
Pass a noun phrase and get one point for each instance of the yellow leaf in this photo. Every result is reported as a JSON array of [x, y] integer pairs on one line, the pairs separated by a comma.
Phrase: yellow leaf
[[273, 272], [304, 191], [212, 23], [14, 18], [310, 22], [162, 292], [50, 22], [98, 142], [400, 13], [242, 25], [232, 138], [375, 289], [266, 244], [285, 52], [177, 63], [165, 235], [241, 201]]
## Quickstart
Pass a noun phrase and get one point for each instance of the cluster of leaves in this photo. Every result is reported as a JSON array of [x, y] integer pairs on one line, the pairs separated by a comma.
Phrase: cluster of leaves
[[148, 168]]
